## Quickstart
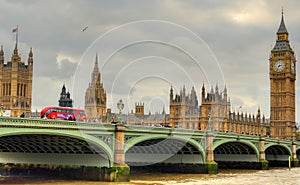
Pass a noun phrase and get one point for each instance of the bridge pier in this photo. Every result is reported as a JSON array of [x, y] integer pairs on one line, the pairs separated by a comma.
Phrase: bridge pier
[[119, 172], [210, 165], [295, 161], [263, 163]]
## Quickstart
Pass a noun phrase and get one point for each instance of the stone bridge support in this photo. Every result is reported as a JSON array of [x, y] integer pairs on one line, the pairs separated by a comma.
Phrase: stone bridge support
[[119, 172], [210, 164], [263, 163], [295, 161]]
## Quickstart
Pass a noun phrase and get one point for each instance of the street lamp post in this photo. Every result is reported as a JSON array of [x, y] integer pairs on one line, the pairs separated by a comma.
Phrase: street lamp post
[[261, 129], [2, 110], [120, 106], [209, 128]]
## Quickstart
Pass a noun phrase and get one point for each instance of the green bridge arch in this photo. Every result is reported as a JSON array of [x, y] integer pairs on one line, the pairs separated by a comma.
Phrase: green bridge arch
[[275, 144], [248, 143], [77, 135], [136, 140]]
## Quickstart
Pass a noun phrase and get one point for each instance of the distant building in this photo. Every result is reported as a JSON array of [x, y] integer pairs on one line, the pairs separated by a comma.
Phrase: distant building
[[95, 96], [65, 99], [139, 110], [140, 118], [36, 114], [16, 83]]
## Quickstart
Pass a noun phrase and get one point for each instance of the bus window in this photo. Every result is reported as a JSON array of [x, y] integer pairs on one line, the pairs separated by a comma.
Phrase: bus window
[[48, 112]]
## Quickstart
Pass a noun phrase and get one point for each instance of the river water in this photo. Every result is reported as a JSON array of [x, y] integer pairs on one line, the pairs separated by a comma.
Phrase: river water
[[279, 176]]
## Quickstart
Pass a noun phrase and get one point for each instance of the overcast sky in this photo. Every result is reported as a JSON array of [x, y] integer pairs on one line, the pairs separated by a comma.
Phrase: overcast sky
[[144, 47]]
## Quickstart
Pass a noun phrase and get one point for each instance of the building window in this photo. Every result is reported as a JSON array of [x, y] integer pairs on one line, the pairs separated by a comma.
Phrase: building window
[[24, 94], [21, 89], [18, 87]]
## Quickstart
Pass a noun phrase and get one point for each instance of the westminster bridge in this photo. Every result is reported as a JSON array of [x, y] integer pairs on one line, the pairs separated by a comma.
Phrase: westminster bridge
[[110, 151]]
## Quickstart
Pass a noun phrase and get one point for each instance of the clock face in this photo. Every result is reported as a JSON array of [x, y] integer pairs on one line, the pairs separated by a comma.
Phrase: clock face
[[279, 66], [293, 67]]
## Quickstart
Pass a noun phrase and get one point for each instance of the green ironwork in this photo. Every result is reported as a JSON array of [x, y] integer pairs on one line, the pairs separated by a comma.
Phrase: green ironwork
[[249, 143], [79, 130], [102, 135], [278, 144]]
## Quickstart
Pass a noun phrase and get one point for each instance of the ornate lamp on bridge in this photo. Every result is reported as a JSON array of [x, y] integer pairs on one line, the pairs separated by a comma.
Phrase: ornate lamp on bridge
[[264, 164], [2, 110], [209, 125], [120, 171], [211, 165], [120, 106], [261, 125]]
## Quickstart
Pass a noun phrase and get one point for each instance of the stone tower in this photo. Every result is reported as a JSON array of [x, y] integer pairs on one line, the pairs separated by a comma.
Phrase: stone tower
[[16, 83], [184, 109], [65, 98], [214, 106], [139, 110], [95, 96], [282, 73]]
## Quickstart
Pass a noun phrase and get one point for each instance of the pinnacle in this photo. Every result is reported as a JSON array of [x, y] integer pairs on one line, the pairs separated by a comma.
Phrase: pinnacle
[[282, 28]]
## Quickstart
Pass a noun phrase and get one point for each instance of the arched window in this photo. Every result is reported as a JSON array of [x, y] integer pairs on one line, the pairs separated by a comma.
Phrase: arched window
[[24, 93]]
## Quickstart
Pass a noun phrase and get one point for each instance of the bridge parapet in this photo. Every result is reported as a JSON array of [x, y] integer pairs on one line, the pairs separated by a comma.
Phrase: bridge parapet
[[279, 141], [163, 130], [58, 124], [236, 136]]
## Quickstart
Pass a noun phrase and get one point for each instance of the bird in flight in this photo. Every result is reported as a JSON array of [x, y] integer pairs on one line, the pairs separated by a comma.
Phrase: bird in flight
[[84, 29]]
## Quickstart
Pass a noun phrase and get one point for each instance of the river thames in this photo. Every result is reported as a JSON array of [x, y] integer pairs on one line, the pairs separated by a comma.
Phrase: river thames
[[278, 176]]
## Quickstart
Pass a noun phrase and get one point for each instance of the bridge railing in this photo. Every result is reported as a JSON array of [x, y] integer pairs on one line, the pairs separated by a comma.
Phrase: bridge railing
[[50, 123], [279, 141], [64, 124], [163, 130], [231, 135]]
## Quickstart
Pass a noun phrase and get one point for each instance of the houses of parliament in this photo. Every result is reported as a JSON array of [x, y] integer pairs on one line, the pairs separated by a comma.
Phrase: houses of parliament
[[16, 83], [213, 112]]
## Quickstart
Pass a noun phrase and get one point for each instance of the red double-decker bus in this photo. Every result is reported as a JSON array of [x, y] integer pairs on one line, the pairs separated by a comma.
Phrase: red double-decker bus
[[65, 113]]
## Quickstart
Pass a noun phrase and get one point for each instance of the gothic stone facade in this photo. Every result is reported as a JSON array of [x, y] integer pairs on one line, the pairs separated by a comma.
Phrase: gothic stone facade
[[95, 96], [215, 113], [16, 83], [184, 110]]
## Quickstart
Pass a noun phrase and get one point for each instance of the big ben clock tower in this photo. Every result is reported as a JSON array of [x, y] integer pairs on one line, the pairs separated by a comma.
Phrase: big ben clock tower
[[282, 86]]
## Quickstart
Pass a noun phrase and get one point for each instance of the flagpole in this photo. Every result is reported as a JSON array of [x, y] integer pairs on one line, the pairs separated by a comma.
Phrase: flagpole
[[17, 36]]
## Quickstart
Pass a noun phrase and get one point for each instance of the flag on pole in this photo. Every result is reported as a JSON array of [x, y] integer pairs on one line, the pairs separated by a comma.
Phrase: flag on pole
[[15, 30]]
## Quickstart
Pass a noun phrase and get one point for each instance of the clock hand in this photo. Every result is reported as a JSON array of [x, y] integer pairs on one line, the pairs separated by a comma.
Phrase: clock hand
[[278, 66]]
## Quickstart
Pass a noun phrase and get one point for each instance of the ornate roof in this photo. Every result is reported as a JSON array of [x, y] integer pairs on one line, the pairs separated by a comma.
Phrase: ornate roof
[[282, 46], [282, 28]]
